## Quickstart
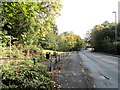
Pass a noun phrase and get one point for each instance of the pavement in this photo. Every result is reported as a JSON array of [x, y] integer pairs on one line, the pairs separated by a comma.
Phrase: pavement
[[71, 75], [88, 71], [102, 68]]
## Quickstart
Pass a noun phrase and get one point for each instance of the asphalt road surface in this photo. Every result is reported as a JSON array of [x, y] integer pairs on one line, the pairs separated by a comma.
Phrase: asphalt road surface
[[103, 69], [71, 75]]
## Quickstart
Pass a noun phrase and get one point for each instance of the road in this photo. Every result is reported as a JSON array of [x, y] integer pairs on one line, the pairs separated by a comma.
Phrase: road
[[103, 69]]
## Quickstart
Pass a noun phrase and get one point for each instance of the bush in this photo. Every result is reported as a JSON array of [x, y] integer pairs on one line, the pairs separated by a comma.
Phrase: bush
[[25, 75], [32, 51], [15, 52], [20, 51]]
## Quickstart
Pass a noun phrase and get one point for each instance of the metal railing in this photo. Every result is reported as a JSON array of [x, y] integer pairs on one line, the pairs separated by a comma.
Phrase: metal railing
[[53, 61], [34, 59]]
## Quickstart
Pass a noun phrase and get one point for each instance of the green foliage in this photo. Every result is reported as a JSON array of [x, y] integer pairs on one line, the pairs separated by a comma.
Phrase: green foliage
[[68, 41], [51, 52], [50, 41], [25, 75], [2, 48], [29, 22], [102, 37], [15, 52], [32, 25]]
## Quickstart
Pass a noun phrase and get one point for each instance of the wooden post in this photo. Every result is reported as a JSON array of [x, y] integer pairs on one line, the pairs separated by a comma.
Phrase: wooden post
[[34, 61], [51, 65]]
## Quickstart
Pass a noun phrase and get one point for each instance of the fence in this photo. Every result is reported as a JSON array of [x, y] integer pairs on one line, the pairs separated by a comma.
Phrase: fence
[[56, 60], [53, 61], [34, 59]]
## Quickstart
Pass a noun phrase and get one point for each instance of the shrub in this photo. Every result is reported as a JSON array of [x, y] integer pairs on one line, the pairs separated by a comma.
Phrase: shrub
[[25, 75], [15, 52]]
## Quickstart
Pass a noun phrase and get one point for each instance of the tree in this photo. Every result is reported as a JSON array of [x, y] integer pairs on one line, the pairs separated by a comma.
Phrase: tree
[[101, 37], [29, 22], [68, 41], [51, 39]]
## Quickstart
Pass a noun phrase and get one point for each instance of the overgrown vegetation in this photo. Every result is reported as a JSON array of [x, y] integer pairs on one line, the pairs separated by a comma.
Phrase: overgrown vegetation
[[68, 41], [32, 28], [19, 75], [102, 38]]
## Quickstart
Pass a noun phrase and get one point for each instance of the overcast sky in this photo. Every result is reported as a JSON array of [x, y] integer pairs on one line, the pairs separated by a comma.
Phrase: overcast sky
[[80, 16]]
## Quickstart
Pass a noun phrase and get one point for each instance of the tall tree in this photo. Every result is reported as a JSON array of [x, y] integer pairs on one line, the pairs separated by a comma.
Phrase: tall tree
[[29, 22], [68, 41], [102, 37]]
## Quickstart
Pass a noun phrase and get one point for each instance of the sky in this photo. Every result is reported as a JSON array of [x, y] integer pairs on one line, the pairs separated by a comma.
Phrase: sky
[[80, 16]]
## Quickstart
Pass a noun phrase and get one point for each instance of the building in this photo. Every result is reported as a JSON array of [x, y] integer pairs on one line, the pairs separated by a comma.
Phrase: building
[[119, 12]]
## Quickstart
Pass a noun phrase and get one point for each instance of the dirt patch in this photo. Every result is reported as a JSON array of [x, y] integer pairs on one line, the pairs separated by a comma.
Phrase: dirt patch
[[54, 74]]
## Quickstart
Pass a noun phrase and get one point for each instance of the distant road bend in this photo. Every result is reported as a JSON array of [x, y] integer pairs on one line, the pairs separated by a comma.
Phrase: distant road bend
[[103, 69]]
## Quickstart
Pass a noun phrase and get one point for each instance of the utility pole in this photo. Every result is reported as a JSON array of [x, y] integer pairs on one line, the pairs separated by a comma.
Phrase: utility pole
[[115, 32]]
